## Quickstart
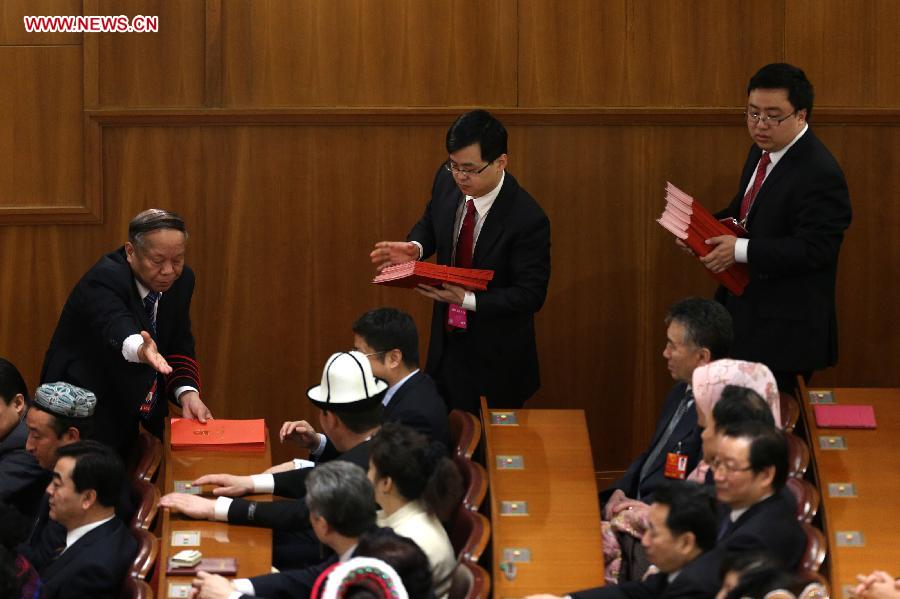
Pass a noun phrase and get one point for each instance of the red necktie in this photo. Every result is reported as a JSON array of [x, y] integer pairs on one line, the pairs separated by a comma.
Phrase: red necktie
[[466, 241], [747, 202]]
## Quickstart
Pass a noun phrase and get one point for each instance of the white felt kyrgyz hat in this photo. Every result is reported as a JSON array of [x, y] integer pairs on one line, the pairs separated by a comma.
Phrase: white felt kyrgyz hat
[[348, 384]]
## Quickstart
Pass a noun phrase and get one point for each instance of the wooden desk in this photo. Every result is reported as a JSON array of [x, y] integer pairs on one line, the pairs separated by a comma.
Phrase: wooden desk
[[562, 528], [251, 546], [872, 463]]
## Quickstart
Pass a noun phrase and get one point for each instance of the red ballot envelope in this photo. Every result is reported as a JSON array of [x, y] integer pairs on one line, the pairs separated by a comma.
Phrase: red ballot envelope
[[218, 435], [842, 416]]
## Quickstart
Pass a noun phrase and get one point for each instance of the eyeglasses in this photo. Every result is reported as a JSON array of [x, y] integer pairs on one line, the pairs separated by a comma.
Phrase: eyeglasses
[[455, 170], [374, 353], [764, 119], [727, 467]]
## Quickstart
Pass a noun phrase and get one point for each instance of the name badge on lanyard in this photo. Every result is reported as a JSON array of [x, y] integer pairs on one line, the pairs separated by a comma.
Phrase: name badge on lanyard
[[676, 464]]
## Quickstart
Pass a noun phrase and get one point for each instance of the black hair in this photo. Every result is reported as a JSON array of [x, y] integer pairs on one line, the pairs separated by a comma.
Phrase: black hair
[[756, 583], [780, 75], [692, 508], [478, 126], [11, 382], [420, 468], [384, 329], [60, 424], [403, 555], [768, 447], [151, 220], [706, 324], [361, 421], [741, 404], [97, 467]]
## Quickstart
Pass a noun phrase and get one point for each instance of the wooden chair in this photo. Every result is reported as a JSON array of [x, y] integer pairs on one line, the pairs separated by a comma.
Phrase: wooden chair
[[790, 411], [807, 496], [134, 588], [816, 547], [475, 482], [798, 455], [469, 533], [465, 433], [146, 457], [148, 551], [470, 581], [145, 499]]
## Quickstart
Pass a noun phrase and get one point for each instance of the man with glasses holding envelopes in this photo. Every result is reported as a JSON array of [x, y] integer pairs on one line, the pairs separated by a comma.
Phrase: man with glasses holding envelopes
[[482, 343], [794, 204]]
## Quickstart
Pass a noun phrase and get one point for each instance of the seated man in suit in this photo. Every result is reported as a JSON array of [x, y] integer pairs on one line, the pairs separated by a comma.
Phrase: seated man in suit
[[60, 414], [750, 472], [341, 506], [388, 337], [350, 412], [679, 541], [22, 480], [98, 548]]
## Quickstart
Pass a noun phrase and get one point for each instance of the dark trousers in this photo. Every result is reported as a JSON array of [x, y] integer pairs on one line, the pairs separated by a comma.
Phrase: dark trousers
[[455, 377]]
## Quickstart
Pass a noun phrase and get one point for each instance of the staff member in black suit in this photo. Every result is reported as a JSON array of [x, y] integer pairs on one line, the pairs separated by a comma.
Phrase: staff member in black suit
[[483, 342], [22, 480], [793, 201], [679, 541], [98, 548], [125, 332]]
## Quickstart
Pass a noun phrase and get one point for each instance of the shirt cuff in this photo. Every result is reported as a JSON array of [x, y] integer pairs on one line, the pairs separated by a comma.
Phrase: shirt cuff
[[315, 453], [301, 464], [238, 595], [130, 347], [243, 586], [469, 301], [421, 249], [740, 250], [222, 506], [179, 391], [263, 483]]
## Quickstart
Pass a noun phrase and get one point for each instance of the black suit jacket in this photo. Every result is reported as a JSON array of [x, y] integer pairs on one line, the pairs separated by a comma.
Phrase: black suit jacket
[[770, 525], [686, 433], [291, 514], [94, 566], [104, 309], [514, 242], [697, 580], [22, 480], [291, 584], [786, 318]]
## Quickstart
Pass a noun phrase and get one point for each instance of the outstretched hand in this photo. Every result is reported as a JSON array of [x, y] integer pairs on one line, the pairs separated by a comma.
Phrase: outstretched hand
[[389, 253], [148, 353]]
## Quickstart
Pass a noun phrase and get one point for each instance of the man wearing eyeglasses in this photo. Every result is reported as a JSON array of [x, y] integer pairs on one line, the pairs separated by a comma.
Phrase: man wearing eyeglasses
[[794, 203], [482, 343], [750, 471]]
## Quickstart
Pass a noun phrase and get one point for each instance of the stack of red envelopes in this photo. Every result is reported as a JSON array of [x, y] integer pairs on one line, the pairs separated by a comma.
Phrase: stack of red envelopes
[[410, 274], [218, 435], [689, 221]]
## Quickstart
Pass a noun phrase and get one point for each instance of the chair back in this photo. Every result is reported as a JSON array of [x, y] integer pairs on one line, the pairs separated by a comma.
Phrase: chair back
[[798, 455], [470, 581], [465, 433], [807, 496], [469, 533], [816, 547], [145, 499], [134, 588], [790, 411], [148, 551], [474, 478], [146, 457]]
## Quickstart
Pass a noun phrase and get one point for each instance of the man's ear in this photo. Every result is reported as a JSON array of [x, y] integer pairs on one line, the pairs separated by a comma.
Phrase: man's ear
[[686, 542], [705, 355], [502, 161], [72, 435], [88, 499], [18, 404]]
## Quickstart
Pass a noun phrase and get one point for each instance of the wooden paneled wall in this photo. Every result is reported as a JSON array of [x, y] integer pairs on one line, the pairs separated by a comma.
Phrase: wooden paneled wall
[[294, 134]]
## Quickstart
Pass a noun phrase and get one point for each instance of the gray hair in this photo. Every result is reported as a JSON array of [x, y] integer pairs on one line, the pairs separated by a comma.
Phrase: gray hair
[[151, 220], [340, 492]]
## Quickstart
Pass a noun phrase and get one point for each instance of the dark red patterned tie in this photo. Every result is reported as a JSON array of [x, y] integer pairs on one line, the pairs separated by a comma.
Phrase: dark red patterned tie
[[466, 240], [757, 183]]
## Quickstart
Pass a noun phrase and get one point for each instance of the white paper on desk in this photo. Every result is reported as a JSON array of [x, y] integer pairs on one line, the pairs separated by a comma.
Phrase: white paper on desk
[[301, 464]]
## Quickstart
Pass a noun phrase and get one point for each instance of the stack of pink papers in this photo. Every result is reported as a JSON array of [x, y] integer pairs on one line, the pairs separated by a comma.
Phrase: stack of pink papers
[[689, 221], [862, 416], [410, 274]]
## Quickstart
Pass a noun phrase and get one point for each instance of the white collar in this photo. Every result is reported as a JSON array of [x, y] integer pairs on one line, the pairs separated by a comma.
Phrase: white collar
[[73, 535], [735, 514], [484, 203], [142, 291], [774, 157], [347, 554], [396, 387], [409, 510]]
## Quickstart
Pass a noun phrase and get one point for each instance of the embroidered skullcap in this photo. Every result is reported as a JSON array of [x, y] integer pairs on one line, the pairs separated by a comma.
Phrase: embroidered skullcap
[[65, 399], [364, 572]]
